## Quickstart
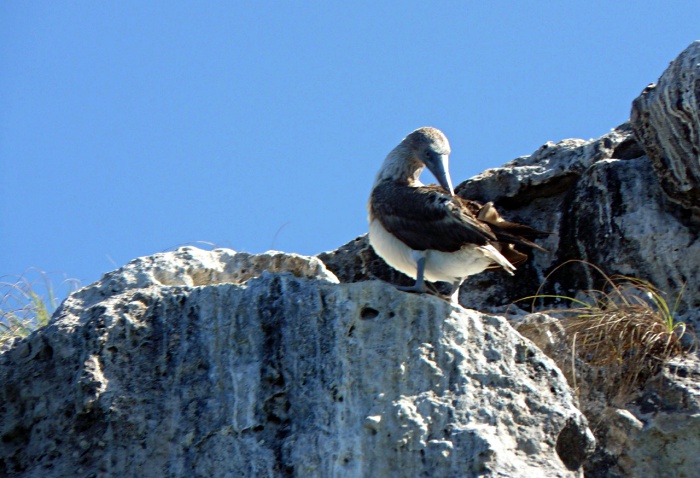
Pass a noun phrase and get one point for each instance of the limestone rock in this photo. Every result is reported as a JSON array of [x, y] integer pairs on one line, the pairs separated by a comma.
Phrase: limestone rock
[[652, 432], [192, 267], [666, 119], [189, 364], [657, 433]]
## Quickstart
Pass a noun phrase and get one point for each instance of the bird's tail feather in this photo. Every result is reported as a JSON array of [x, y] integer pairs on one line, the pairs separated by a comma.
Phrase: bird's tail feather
[[493, 254]]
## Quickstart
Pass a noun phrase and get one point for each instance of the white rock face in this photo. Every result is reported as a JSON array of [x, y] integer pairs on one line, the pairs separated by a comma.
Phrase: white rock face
[[660, 434], [196, 363]]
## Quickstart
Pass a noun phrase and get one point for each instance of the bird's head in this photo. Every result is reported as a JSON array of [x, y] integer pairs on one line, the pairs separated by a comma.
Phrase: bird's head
[[430, 147]]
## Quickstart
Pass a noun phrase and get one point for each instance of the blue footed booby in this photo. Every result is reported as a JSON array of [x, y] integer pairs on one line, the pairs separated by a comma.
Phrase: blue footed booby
[[429, 233]]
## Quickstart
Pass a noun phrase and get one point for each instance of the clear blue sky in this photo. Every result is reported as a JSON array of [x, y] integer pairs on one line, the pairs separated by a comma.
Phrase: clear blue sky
[[128, 128]]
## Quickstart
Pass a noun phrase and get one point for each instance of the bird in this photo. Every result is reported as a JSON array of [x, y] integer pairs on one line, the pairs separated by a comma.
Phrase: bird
[[429, 233]]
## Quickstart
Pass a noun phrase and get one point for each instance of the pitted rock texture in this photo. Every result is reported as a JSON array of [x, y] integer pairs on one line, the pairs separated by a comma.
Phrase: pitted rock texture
[[666, 119], [648, 432], [191, 267], [657, 433], [282, 375]]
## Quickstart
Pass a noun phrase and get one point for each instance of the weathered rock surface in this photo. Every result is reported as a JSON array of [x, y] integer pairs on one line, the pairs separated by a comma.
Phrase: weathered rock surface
[[652, 432], [655, 434], [191, 364], [666, 119]]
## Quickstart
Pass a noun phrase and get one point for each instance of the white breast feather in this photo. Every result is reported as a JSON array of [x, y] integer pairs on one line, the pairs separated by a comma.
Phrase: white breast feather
[[397, 254], [439, 266]]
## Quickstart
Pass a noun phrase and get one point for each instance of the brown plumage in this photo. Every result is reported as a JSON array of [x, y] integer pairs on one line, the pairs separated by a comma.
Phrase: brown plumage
[[427, 231], [407, 212]]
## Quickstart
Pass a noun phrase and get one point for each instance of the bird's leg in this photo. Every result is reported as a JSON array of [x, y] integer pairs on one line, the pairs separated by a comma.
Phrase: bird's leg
[[420, 279], [455, 291], [419, 286]]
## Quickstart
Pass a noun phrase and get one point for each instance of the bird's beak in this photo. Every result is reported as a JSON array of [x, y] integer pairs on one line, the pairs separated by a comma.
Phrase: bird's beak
[[439, 166]]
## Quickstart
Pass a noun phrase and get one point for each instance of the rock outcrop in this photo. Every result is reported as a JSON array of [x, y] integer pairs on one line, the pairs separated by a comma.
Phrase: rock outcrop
[[629, 203], [666, 121], [191, 364]]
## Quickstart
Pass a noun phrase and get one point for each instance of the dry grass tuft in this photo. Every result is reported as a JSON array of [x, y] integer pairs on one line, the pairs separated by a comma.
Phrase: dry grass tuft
[[26, 303], [627, 330]]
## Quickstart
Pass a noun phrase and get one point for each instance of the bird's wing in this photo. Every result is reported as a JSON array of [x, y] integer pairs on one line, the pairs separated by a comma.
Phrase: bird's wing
[[427, 217]]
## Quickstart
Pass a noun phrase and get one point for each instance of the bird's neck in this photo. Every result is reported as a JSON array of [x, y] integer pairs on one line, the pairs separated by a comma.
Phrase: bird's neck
[[399, 166]]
